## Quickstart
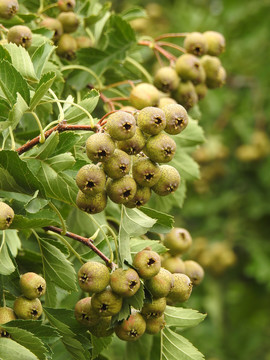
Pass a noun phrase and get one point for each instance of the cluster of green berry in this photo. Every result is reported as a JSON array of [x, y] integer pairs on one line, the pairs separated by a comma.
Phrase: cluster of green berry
[[128, 154], [27, 306], [6, 216]]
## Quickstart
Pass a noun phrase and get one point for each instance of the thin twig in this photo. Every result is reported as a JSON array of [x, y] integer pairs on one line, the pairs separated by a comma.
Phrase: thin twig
[[174, 46], [171, 35]]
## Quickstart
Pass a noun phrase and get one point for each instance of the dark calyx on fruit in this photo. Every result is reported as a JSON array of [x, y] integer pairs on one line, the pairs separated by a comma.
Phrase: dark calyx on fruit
[[91, 204], [85, 314], [147, 263], [91, 179], [67, 47], [27, 309], [151, 120], [132, 328], [176, 118], [121, 190], [6, 216], [69, 21], [118, 165], [20, 35], [53, 24], [141, 197], [160, 148], [166, 79], [107, 303], [93, 277], [121, 125], [178, 241], [134, 145], [66, 5], [99, 147], [8, 8], [196, 43], [32, 285], [125, 282], [168, 181], [145, 172]]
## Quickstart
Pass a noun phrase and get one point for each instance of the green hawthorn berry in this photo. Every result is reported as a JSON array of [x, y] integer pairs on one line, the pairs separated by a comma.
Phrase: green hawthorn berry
[[134, 145], [83, 42], [93, 277], [189, 68], [85, 314], [91, 204], [186, 94], [6, 314], [218, 81], [91, 179], [69, 21], [196, 44], [176, 118], [99, 147], [161, 284], [145, 172], [66, 5], [106, 303], [121, 125], [201, 90], [211, 65], [166, 79], [147, 263], [178, 241], [164, 101], [168, 181], [194, 271], [154, 309], [151, 120], [102, 328], [141, 197], [8, 8], [125, 282], [20, 35], [67, 47], [27, 309], [6, 216], [153, 326], [181, 289], [32, 285], [118, 165], [132, 328], [144, 95], [54, 25], [215, 42], [174, 264], [121, 190], [160, 148]]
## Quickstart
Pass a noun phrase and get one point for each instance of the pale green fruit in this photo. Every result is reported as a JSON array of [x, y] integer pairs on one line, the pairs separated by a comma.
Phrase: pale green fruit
[[132, 328], [27, 309], [32, 285], [93, 277]]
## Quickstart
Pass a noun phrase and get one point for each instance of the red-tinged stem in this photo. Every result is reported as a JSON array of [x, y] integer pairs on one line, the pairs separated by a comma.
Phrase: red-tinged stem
[[86, 241], [158, 58], [119, 83], [171, 35], [119, 98], [155, 46], [101, 121], [174, 46], [107, 101]]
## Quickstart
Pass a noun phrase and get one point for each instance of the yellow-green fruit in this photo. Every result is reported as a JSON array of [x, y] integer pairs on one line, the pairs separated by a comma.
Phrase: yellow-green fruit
[[69, 21], [196, 44], [20, 35], [8, 8], [145, 172], [66, 5], [218, 81], [67, 47], [102, 328], [92, 204], [160, 148], [121, 125], [161, 284], [144, 95], [178, 241], [176, 118], [134, 145], [93, 277], [201, 90], [168, 181], [106, 303], [164, 101], [27, 309], [132, 328], [121, 190], [141, 197], [166, 79], [54, 25], [99, 147], [118, 165], [186, 94], [174, 264], [6, 314], [125, 282], [32, 285], [6, 216], [181, 289], [83, 42], [85, 314], [153, 326], [91, 179], [151, 120], [147, 263], [189, 68], [155, 309], [194, 271], [215, 42], [211, 65]]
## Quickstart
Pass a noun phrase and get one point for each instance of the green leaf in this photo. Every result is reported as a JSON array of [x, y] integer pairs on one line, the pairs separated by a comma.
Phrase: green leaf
[[44, 85], [99, 344], [192, 135], [164, 222], [180, 317], [61, 162], [176, 347], [13, 241], [4, 54], [67, 140], [89, 103], [133, 13], [42, 218], [11, 350], [6, 264], [140, 349], [12, 82], [136, 301], [41, 56], [56, 266], [46, 149], [93, 18], [17, 111], [186, 166], [137, 245]]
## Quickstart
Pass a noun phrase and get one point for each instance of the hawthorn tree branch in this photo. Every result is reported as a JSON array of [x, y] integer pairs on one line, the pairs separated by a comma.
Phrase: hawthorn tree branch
[[171, 35], [157, 47]]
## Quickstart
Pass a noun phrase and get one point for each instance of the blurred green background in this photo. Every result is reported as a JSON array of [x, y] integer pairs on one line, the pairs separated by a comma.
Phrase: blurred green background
[[230, 205]]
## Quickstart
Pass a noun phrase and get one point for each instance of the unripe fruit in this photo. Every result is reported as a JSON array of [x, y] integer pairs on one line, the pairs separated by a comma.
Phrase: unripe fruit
[[67, 47], [164, 101], [144, 95], [145, 172], [181, 289], [154, 309], [201, 90], [151, 120], [93, 277], [53, 24], [166, 79], [134, 145], [85, 314], [218, 81], [147, 263], [106, 303], [194, 271], [153, 326], [99, 147], [121, 190], [176, 118], [6, 314], [20, 35], [161, 284], [196, 43], [92, 204], [125, 282], [27, 309], [32, 285], [8, 8], [132, 328], [168, 181], [66, 5], [211, 65], [215, 42], [186, 95], [121, 125], [102, 328], [83, 42], [160, 148], [69, 21], [91, 179], [141, 197], [189, 67], [178, 241], [118, 165], [174, 265], [6, 216]]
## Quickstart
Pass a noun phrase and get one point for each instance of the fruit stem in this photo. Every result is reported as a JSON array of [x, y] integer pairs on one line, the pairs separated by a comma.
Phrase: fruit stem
[[13, 145], [61, 111], [114, 239], [51, 204], [135, 63], [170, 35], [119, 83], [174, 46], [155, 46], [83, 68], [41, 136], [44, 9]]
